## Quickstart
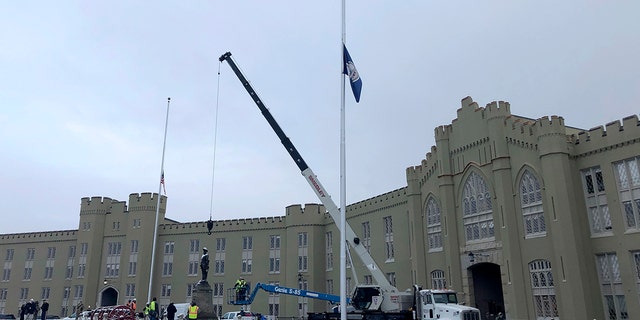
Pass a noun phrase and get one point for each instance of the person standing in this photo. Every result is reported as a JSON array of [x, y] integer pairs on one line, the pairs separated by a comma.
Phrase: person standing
[[31, 310], [171, 311], [79, 309], [193, 311], [134, 305], [241, 289], [153, 309], [44, 308], [23, 311]]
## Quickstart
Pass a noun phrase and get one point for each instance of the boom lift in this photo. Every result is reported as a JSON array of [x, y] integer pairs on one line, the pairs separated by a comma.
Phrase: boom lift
[[232, 297], [382, 299]]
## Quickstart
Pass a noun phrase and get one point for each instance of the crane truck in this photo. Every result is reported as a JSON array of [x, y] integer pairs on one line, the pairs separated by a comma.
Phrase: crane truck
[[381, 300]]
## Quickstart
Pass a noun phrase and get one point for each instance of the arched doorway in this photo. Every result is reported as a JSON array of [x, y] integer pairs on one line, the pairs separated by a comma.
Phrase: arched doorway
[[108, 297], [487, 289]]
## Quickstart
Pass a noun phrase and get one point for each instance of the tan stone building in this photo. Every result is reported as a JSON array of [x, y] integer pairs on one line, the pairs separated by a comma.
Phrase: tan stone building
[[528, 217]]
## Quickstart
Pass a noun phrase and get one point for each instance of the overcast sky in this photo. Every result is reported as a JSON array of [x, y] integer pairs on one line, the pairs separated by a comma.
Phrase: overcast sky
[[84, 87]]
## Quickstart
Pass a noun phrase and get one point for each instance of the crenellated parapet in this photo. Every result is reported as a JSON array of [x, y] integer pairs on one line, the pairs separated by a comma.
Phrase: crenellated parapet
[[613, 134], [309, 214], [49, 236], [146, 201], [427, 168], [521, 132], [95, 205], [497, 109], [553, 125], [381, 202]]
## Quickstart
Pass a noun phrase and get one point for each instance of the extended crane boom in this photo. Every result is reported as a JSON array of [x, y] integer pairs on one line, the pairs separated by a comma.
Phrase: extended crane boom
[[313, 181], [373, 302]]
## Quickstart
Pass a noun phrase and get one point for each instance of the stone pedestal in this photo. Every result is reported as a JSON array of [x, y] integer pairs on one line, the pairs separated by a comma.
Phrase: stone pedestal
[[203, 296]]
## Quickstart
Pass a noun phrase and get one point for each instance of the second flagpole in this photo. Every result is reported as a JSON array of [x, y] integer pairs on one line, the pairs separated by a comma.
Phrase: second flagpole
[[155, 231]]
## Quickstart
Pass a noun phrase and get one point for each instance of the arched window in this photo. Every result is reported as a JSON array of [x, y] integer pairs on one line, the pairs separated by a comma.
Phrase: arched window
[[477, 209], [438, 280], [531, 202], [434, 225], [544, 294]]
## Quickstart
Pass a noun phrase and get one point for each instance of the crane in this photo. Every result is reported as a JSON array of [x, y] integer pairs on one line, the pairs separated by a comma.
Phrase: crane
[[382, 297]]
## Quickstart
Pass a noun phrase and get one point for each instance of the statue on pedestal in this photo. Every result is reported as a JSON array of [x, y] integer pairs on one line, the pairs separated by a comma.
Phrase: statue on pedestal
[[204, 264]]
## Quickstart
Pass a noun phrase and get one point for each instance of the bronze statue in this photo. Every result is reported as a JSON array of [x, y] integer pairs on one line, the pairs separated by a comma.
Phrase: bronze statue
[[204, 263]]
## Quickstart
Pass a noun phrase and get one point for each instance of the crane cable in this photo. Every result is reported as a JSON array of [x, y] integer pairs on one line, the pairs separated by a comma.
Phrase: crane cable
[[215, 138]]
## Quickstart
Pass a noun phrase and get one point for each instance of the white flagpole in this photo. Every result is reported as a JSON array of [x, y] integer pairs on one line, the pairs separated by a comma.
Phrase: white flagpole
[[343, 184], [155, 231]]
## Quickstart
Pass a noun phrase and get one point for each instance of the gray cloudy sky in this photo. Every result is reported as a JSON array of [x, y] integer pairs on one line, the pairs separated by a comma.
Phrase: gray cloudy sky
[[84, 84]]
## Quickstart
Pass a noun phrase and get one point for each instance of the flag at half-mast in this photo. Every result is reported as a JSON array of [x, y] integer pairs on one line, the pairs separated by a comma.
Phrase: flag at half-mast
[[349, 69]]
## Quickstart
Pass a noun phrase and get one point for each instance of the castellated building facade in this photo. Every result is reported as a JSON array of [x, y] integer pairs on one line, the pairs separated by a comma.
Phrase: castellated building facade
[[532, 218]]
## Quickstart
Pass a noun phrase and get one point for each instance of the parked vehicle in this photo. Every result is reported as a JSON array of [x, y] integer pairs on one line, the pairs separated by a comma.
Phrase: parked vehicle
[[239, 315], [7, 316], [85, 315]]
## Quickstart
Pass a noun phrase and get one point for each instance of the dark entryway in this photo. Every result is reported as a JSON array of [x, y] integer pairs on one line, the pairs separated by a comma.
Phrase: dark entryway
[[487, 289], [109, 297]]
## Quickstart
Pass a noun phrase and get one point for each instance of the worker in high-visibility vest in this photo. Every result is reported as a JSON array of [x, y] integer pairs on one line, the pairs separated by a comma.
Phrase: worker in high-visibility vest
[[193, 311]]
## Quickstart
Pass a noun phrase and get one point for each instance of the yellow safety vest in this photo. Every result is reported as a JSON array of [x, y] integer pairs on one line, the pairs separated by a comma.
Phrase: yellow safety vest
[[193, 312]]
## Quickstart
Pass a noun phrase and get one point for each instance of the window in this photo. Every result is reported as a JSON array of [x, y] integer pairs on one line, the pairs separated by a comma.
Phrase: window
[[434, 226], [438, 280], [78, 291], [31, 253], [368, 279], [166, 290], [220, 255], [194, 257], [6, 274], [544, 296], [136, 223], [388, 238], [9, 256], [24, 293], [167, 262], [596, 200], [72, 252], [51, 253], [274, 254], [303, 252], [218, 289], [247, 254], [477, 209], [84, 249], [635, 260], [130, 291], [114, 249], [28, 267], [134, 246], [45, 292], [611, 283], [628, 178], [116, 225], [391, 276], [531, 204], [329, 250], [169, 247], [133, 257], [366, 235], [68, 273], [274, 301]]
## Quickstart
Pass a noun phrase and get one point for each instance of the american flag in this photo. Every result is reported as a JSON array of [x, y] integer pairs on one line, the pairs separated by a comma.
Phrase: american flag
[[162, 183]]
